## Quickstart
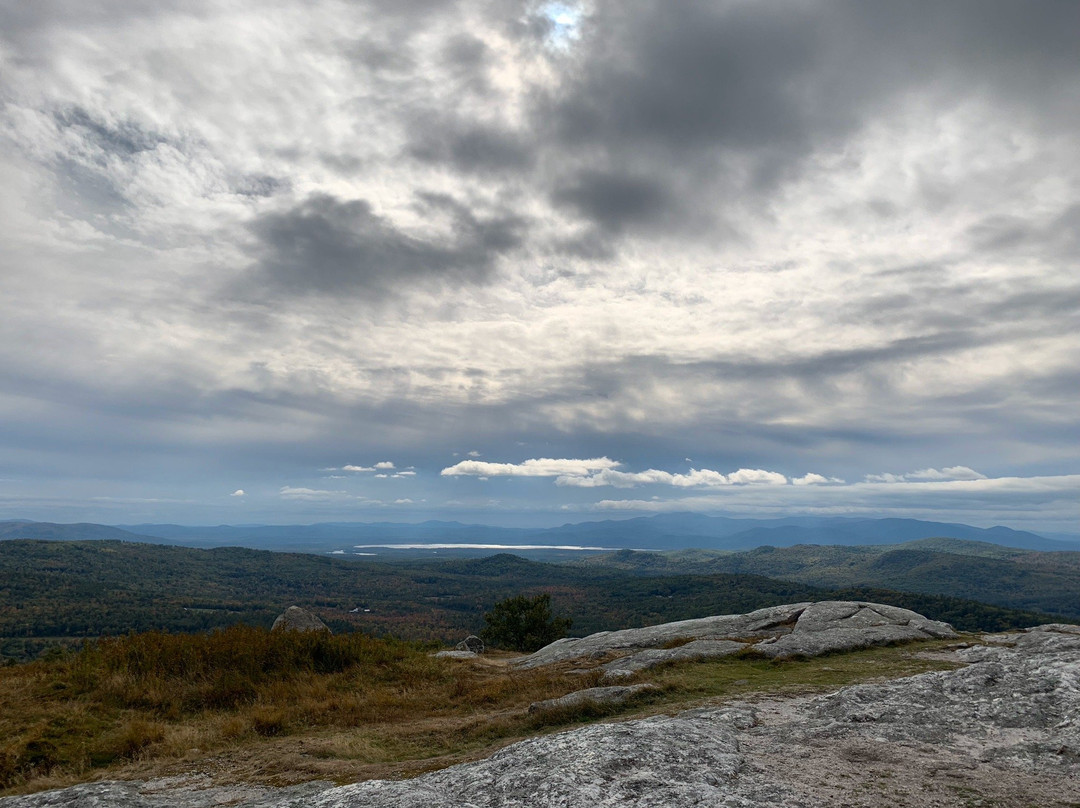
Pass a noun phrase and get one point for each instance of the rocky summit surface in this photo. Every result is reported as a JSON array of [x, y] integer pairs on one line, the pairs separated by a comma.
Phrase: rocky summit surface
[[1002, 730]]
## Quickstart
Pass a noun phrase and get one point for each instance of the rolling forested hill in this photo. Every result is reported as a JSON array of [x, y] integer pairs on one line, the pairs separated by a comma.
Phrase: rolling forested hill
[[51, 590], [1016, 579]]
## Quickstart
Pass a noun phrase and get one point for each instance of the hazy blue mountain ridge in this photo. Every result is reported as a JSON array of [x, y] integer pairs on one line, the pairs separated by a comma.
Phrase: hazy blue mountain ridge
[[661, 532]]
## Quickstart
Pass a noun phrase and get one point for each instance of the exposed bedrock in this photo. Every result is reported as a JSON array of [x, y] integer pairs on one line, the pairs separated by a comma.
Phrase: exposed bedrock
[[799, 629], [595, 696], [762, 623]]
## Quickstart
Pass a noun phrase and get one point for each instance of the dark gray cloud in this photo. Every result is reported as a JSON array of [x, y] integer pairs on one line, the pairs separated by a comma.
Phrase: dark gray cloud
[[614, 201], [467, 146], [466, 52], [695, 75], [326, 245], [727, 100], [393, 57], [1011, 234], [19, 19]]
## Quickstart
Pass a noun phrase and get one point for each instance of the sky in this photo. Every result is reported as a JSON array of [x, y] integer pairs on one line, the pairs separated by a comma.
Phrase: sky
[[530, 262]]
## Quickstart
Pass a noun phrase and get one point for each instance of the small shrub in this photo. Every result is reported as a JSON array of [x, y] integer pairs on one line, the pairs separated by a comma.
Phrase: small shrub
[[136, 736], [37, 756], [234, 727], [269, 721], [127, 741], [40, 754]]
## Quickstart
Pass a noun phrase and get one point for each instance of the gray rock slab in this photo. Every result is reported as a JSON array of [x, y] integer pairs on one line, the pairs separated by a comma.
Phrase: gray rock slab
[[650, 763], [168, 792], [1041, 640], [455, 654], [601, 696], [1058, 628], [834, 614], [654, 657], [755, 625], [843, 625], [1022, 707], [831, 626], [824, 641]]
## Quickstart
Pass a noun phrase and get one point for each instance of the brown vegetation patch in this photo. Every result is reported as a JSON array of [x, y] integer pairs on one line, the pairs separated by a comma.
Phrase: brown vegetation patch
[[247, 705]]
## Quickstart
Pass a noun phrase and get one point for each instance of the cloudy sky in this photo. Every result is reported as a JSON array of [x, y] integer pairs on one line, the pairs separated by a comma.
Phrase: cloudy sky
[[524, 262]]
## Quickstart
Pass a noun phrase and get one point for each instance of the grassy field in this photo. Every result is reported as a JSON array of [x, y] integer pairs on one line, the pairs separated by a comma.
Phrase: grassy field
[[246, 704]]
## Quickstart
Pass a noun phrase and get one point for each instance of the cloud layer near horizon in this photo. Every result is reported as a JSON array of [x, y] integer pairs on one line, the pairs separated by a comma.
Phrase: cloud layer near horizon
[[245, 242]]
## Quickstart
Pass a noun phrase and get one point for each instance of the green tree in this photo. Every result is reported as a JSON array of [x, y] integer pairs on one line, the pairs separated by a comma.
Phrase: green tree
[[523, 624]]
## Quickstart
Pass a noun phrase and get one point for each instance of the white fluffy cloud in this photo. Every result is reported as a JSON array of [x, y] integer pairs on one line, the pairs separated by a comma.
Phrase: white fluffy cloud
[[380, 466], [537, 467], [815, 479], [603, 471], [695, 478]]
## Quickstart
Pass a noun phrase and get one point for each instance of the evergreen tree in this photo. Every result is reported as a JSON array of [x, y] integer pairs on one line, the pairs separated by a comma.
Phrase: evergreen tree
[[523, 624]]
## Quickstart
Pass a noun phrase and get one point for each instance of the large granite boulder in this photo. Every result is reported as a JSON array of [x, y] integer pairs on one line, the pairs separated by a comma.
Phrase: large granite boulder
[[471, 643], [296, 619], [831, 626], [799, 629]]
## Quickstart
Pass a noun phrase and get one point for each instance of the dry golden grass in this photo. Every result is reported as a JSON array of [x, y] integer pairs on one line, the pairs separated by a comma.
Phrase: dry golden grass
[[245, 705]]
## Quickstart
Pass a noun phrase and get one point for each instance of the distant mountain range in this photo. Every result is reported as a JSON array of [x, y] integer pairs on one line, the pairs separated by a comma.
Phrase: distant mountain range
[[686, 530], [662, 532]]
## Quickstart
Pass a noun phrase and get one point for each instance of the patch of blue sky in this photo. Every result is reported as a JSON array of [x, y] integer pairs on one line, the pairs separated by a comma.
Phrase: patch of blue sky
[[565, 21]]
